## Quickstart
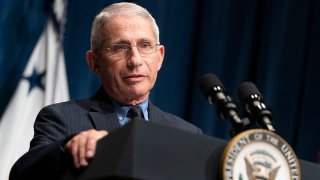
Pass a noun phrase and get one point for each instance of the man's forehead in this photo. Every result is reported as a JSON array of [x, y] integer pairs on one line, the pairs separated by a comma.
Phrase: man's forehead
[[127, 21], [130, 29]]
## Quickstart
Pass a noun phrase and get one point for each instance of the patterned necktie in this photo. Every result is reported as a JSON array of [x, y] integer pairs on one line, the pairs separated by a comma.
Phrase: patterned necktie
[[135, 112]]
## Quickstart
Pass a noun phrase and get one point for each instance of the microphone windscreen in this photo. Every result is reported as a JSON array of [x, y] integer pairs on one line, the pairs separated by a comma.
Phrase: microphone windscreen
[[246, 89], [207, 82]]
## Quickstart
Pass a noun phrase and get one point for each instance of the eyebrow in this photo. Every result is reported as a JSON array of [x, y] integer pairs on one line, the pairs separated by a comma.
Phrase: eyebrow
[[121, 41]]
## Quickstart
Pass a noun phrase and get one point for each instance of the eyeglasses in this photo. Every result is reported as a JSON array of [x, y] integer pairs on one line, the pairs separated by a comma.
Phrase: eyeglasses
[[120, 51]]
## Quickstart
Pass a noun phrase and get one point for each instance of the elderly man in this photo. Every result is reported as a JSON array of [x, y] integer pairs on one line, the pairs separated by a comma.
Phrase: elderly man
[[126, 55]]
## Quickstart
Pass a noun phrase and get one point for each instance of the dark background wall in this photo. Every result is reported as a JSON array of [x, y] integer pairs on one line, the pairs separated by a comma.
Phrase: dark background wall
[[273, 43]]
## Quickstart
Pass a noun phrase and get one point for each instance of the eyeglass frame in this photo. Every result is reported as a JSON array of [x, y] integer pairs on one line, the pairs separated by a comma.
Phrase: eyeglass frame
[[129, 47]]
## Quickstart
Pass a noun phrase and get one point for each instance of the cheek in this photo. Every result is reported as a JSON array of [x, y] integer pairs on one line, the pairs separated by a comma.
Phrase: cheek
[[110, 73], [157, 64], [153, 68]]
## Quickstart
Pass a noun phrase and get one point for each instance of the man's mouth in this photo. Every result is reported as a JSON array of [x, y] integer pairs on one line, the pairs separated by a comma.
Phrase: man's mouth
[[135, 77]]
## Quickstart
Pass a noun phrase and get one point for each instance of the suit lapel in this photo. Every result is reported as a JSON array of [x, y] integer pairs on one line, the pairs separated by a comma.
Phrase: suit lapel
[[156, 115], [102, 112], [105, 121]]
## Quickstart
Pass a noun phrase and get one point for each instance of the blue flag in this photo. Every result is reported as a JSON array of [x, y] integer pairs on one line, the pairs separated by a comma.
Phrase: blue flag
[[43, 82]]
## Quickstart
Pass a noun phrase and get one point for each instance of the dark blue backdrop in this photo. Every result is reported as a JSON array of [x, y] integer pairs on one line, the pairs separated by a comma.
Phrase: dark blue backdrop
[[273, 43]]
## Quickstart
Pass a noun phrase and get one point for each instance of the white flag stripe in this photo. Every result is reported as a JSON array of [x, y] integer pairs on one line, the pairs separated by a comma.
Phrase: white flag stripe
[[56, 86], [16, 125], [16, 128]]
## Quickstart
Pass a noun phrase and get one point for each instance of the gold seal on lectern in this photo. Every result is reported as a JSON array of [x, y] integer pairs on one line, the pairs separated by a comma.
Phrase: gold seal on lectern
[[259, 154]]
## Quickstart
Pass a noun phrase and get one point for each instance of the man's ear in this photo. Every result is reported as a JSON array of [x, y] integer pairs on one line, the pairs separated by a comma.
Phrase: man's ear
[[92, 61], [161, 51]]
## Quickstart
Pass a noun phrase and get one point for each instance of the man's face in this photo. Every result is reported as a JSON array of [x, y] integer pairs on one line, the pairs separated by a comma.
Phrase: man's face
[[130, 79]]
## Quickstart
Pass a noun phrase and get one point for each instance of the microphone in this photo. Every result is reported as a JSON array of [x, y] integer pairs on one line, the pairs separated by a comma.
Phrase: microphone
[[253, 101], [216, 95]]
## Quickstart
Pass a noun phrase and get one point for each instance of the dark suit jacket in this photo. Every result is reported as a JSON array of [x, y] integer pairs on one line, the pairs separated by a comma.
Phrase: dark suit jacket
[[57, 123]]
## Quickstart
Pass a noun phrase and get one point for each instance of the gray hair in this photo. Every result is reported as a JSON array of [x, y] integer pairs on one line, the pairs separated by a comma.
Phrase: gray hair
[[123, 8]]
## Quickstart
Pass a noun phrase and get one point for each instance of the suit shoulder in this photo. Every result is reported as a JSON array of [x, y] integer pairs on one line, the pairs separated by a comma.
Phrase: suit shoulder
[[71, 104], [183, 123], [172, 120]]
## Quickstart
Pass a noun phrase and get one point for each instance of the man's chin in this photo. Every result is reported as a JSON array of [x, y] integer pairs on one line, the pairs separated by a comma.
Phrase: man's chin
[[138, 96]]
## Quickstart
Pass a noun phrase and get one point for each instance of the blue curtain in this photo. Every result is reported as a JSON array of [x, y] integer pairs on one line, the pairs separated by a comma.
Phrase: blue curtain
[[21, 23], [273, 43]]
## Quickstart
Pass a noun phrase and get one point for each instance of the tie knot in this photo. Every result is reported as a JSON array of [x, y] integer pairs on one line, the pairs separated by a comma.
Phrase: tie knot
[[135, 112]]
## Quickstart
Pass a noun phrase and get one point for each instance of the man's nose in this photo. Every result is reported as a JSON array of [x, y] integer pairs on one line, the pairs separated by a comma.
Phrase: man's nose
[[134, 57]]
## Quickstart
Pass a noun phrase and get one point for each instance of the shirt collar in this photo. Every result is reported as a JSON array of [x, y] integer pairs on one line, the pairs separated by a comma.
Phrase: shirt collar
[[122, 110]]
